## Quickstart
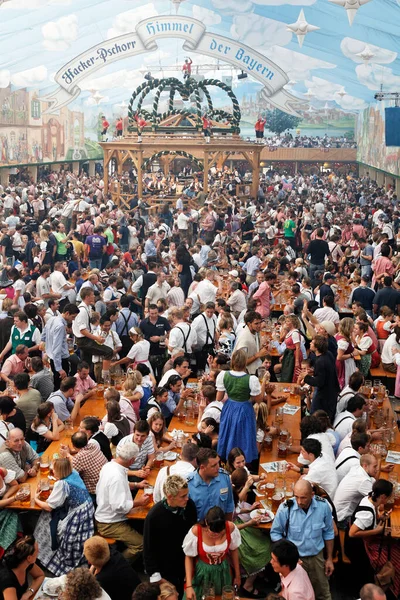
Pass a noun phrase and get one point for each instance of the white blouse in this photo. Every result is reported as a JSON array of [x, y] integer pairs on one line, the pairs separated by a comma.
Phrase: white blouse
[[190, 543], [254, 383], [140, 351]]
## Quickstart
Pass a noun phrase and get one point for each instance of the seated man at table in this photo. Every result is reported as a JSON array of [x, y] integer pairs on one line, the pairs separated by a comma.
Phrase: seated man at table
[[87, 459], [109, 566], [91, 426], [27, 399], [114, 501], [140, 468], [64, 406], [17, 455], [15, 363], [84, 383], [183, 467]]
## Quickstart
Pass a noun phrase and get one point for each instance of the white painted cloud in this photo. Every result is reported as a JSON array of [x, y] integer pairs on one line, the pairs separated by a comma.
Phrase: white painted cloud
[[351, 102], [351, 47], [31, 4], [118, 79], [372, 76], [280, 2], [324, 90], [59, 35], [30, 77], [126, 22], [260, 32], [4, 78], [232, 7], [207, 16], [296, 65]]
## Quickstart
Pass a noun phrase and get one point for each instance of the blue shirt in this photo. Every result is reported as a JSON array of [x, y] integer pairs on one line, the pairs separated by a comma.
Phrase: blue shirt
[[62, 405], [307, 530], [206, 495], [55, 336], [168, 407], [125, 321], [150, 248]]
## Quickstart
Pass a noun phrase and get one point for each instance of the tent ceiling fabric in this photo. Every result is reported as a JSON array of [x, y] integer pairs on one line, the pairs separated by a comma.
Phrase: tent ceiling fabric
[[338, 51]]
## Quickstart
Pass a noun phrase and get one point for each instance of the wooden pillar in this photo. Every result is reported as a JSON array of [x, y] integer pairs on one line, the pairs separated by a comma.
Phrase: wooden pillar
[[205, 176], [256, 173], [139, 173], [106, 164]]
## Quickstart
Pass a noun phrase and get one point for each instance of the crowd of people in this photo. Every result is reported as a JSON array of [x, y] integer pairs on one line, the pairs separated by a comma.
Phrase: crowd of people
[[299, 286]]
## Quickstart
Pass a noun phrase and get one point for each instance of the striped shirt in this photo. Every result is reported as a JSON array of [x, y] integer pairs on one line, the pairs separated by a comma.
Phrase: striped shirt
[[144, 450]]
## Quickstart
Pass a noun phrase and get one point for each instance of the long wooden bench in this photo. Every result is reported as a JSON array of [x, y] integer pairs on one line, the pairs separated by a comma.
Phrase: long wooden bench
[[387, 378]]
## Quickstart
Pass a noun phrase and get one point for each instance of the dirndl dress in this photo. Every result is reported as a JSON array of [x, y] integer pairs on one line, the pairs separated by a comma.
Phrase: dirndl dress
[[238, 421], [255, 549], [72, 531], [212, 566]]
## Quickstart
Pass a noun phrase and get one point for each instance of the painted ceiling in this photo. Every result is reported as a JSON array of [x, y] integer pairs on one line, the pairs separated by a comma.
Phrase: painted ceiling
[[349, 50]]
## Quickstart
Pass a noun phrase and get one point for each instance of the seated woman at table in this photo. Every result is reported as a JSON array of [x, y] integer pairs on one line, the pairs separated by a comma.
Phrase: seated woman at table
[[237, 460], [210, 427], [132, 390], [238, 421], [9, 521], [158, 432], [20, 561], [46, 426], [207, 548], [116, 426], [65, 522], [254, 551]]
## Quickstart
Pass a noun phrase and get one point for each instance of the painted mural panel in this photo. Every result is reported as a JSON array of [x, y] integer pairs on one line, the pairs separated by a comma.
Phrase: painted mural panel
[[371, 141]]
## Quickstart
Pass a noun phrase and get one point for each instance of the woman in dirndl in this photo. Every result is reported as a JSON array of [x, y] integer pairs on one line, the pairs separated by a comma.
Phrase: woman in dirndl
[[208, 549], [345, 363], [66, 521], [291, 360], [238, 420], [369, 522]]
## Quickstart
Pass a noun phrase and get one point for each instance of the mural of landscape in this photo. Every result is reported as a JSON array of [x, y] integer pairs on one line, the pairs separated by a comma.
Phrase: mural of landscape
[[371, 126]]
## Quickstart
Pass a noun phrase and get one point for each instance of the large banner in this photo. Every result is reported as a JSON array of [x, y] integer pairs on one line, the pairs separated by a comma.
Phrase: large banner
[[144, 39]]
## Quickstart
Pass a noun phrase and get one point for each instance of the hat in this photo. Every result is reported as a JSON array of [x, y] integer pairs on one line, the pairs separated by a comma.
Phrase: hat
[[128, 451], [329, 327], [328, 276], [234, 273], [4, 279]]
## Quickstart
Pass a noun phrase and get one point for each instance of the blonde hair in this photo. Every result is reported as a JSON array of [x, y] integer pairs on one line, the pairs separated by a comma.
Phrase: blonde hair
[[96, 551], [167, 590], [261, 410], [136, 331], [173, 484], [226, 322], [175, 313], [346, 327], [44, 236], [133, 379], [62, 468], [239, 360]]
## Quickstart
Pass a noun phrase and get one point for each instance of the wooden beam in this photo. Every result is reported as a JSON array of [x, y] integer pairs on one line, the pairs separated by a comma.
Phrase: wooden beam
[[110, 154], [205, 176], [256, 174], [139, 173]]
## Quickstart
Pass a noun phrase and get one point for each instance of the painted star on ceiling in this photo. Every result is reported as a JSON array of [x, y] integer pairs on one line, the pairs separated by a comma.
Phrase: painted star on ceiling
[[301, 28], [351, 7]]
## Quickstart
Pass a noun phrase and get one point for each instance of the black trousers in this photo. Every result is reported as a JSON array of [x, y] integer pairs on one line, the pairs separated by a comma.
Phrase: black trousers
[[89, 347], [65, 365]]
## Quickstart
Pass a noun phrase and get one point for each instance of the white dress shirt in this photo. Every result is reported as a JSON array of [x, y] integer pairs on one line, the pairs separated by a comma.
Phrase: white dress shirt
[[82, 320], [199, 325], [206, 291], [181, 468], [353, 487], [343, 423], [322, 472], [177, 337], [113, 495], [57, 283], [347, 459]]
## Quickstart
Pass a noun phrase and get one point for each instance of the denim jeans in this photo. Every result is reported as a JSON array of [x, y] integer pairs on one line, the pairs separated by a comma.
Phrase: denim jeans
[[95, 263]]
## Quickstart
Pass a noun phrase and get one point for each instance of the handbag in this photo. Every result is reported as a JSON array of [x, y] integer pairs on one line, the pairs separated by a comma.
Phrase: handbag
[[384, 577]]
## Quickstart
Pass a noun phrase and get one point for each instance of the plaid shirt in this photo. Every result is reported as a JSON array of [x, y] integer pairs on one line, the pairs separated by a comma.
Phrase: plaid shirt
[[88, 462]]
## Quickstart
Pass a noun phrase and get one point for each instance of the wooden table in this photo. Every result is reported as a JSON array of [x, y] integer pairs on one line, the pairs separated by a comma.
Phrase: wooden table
[[92, 407]]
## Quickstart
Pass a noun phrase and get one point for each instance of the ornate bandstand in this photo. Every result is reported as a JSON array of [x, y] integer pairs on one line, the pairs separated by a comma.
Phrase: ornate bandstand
[[177, 133]]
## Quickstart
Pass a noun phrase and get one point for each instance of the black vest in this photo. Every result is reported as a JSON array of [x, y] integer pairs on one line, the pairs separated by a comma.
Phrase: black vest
[[104, 443], [148, 280]]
